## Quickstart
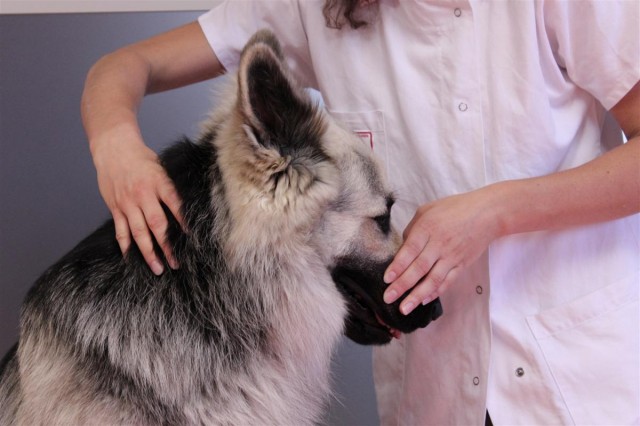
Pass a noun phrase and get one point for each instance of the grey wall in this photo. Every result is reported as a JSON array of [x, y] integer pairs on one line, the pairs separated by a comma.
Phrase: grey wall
[[49, 197]]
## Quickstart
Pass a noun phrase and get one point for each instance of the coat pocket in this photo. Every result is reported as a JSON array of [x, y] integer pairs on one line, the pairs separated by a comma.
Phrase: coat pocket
[[591, 347], [368, 126]]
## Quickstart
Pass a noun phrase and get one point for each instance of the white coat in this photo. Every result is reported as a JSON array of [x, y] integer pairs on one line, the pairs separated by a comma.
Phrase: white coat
[[455, 95]]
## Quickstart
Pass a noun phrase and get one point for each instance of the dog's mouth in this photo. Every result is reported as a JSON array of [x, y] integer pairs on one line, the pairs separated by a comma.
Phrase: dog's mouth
[[370, 319]]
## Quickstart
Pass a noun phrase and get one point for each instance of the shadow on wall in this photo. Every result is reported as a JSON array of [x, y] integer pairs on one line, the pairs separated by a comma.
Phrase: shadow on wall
[[48, 188]]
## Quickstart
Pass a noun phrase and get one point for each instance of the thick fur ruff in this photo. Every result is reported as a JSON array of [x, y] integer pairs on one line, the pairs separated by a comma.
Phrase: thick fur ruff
[[287, 236]]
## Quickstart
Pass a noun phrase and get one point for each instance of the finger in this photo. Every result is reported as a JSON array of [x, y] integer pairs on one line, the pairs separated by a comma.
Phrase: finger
[[417, 269], [123, 236], [432, 286], [141, 235], [158, 224], [171, 199], [408, 252], [409, 227]]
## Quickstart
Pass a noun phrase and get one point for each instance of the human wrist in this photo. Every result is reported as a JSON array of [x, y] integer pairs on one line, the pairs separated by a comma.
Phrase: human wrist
[[117, 141], [504, 204], [523, 205]]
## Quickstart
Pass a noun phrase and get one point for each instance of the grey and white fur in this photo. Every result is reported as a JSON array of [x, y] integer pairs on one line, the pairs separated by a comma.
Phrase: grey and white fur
[[287, 235]]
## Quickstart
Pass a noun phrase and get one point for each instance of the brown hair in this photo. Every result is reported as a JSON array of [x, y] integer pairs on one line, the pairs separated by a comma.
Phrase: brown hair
[[336, 12]]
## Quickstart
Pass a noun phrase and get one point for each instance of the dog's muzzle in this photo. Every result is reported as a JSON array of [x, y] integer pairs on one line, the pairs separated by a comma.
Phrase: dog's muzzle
[[370, 320]]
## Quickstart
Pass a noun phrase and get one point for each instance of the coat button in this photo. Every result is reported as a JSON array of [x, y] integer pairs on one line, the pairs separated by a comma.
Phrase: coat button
[[519, 371], [476, 380], [479, 289], [463, 107], [457, 11]]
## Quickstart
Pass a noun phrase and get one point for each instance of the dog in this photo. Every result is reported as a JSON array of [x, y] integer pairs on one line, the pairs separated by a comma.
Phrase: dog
[[286, 239]]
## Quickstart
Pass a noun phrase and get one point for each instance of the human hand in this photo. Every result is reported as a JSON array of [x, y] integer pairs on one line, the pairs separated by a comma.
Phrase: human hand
[[133, 185], [442, 238]]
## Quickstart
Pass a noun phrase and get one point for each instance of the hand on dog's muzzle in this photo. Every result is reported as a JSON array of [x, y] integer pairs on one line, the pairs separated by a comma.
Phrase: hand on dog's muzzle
[[366, 332], [370, 320]]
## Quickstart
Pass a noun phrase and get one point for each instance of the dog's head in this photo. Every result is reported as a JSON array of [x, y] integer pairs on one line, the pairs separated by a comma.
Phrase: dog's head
[[313, 180]]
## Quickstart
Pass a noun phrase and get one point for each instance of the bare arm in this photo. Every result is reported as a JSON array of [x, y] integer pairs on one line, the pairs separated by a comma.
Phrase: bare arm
[[451, 233], [130, 178], [604, 189]]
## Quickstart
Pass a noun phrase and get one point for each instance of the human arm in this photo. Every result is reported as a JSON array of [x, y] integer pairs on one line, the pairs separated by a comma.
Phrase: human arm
[[130, 178], [451, 233]]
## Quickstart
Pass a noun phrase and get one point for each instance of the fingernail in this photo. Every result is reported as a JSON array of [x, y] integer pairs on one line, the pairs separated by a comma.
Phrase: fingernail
[[173, 263], [427, 300], [407, 307], [157, 268], [390, 296], [389, 277]]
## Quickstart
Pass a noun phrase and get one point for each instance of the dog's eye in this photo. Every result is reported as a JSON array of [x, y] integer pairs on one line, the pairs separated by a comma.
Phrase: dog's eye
[[383, 222]]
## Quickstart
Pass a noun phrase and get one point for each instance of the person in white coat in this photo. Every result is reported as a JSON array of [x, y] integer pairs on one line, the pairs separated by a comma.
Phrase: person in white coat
[[500, 126]]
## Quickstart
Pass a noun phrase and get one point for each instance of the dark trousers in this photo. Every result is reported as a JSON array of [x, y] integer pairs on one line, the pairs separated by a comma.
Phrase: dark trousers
[[487, 420]]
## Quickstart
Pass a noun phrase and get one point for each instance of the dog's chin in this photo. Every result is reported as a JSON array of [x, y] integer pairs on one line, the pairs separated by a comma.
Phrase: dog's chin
[[370, 320]]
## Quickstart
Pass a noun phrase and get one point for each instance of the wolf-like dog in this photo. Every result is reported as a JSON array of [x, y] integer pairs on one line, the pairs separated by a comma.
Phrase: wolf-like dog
[[287, 236]]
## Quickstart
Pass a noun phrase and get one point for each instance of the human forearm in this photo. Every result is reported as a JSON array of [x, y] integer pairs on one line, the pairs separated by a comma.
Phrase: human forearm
[[606, 188], [128, 171], [117, 83], [451, 233], [133, 184], [113, 91]]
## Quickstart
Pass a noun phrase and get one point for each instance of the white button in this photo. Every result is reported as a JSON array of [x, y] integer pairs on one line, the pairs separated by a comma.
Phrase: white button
[[462, 106], [479, 289], [476, 380], [457, 12]]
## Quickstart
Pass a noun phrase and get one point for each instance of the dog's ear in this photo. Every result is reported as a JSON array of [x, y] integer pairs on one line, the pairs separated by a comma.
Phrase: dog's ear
[[278, 112], [278, 134]]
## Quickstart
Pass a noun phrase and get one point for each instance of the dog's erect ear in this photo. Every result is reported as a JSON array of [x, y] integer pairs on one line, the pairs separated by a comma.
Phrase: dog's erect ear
[[278, 112], [281, 162]]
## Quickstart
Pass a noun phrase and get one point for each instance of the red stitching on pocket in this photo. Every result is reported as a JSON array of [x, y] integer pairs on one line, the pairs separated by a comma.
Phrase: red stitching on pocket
[[365, 135]]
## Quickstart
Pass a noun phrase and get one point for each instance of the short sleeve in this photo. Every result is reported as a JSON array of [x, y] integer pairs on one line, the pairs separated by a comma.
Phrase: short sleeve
[[598, 43], [229, 26]]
